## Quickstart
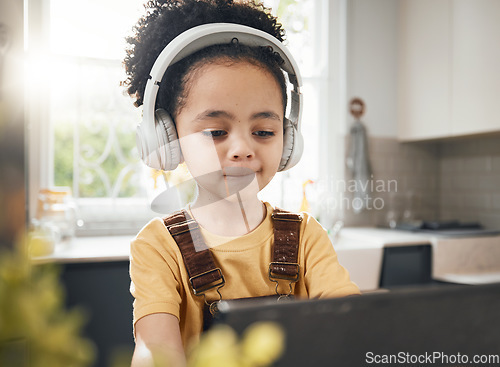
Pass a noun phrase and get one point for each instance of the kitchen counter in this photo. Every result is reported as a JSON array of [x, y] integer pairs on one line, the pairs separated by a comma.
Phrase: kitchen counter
[[361, 251], [117, 248], [472, 279], [90, 249], [471, 260], [380, 237], [464, 260]]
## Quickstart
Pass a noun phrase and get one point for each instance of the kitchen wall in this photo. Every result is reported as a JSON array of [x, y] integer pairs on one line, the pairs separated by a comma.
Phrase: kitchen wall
[[405, 183], [447, 180], [469, 180], [452, 179]]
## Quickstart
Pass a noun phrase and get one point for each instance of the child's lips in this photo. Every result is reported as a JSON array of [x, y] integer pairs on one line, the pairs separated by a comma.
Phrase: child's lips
[[237, 171], [237, 178]]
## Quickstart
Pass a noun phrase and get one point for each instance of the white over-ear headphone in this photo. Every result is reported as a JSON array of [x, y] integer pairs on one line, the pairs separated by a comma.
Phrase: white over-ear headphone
[[157, 139]]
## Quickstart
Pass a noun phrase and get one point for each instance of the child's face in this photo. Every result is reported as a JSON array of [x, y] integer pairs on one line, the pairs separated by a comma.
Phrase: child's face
[[231, 128]]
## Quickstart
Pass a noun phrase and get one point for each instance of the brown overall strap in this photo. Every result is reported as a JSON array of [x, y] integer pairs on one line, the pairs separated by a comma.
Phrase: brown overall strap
[[203, 273], [200, 265], [284, 263]]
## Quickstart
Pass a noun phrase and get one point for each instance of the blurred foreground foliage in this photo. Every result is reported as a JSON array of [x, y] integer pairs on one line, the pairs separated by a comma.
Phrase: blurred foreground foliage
[[261, 344], [36, 330]]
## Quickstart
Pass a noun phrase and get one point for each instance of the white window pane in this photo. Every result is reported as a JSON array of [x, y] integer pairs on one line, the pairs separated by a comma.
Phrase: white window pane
[[93, 28], [305, 32], [94, 125]]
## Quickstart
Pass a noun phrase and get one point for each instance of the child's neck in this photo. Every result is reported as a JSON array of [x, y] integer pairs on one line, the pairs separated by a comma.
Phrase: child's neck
[[229, 217]]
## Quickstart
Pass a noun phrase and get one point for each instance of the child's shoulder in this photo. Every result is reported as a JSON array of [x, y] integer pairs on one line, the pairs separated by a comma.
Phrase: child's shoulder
[[154, 242], [152, 231]]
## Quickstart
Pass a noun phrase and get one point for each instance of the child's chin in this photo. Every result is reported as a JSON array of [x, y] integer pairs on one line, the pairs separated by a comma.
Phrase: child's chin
[[242, 196]]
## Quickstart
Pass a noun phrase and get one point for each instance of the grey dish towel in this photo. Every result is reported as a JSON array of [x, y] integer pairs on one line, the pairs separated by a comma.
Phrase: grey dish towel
[[358, 164]]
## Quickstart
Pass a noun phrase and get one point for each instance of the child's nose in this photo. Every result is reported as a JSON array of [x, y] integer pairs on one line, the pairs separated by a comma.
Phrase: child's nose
[[241, 148]]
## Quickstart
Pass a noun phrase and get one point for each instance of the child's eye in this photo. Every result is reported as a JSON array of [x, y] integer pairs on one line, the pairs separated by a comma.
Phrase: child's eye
[[264, 134], [214, 133]]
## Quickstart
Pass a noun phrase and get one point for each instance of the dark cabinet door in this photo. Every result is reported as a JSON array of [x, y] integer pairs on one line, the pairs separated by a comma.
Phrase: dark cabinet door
[[102, 289]]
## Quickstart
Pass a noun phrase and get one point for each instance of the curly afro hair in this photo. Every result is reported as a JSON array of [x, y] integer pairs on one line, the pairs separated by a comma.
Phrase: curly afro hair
[[166, 19]]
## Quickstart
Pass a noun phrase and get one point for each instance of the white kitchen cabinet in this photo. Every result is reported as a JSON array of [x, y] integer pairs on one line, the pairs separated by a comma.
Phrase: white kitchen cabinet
[[424, 69], [449, 68], [475, 66]]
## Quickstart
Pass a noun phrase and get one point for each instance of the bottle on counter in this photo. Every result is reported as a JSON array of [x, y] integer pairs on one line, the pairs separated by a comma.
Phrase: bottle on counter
[[56, 213]]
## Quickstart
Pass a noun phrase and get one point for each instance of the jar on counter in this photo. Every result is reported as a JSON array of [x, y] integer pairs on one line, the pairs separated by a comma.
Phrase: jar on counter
[[56, 211]]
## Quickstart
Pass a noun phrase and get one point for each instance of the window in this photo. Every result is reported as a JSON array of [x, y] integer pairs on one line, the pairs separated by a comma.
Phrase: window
[[82, 125], [316, 34], [307, 41]]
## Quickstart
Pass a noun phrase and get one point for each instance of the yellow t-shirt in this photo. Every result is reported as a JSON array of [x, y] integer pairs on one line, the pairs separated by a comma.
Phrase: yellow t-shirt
[[160, 283]]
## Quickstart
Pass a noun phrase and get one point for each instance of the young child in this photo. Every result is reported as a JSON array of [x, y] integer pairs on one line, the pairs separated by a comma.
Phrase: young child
[[227, 104]]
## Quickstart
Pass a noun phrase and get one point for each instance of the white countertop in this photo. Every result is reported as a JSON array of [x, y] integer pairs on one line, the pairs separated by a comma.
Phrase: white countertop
[[90, 249], [380, 237], [472, 279], [464, 260]]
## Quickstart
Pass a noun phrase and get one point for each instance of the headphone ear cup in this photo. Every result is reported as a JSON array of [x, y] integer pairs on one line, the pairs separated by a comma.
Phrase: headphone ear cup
[[168, 142], [293, 146]]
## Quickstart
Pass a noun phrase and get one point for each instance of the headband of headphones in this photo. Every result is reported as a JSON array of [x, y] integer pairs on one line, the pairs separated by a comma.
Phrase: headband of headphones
[[203, 36]]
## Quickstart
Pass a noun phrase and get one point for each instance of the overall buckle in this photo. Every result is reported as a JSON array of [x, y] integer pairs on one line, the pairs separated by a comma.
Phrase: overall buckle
[[216, 284]]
